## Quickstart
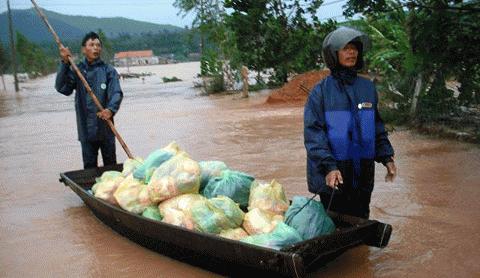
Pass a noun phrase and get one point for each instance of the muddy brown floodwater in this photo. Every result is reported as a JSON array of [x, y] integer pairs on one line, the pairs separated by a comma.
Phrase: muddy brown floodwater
[[46, 230]]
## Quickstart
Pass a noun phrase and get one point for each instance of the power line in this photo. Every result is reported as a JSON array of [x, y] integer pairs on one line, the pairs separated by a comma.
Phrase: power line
[[324, 4], [331, 3], [332, 17]]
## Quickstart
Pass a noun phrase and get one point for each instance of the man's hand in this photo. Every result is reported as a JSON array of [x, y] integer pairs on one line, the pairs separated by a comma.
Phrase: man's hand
[[105, 114], [391, 171], [334, 178], [65, 53]]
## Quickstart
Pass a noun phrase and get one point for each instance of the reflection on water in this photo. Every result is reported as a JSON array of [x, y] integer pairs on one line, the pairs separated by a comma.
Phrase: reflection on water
[[45, 229]]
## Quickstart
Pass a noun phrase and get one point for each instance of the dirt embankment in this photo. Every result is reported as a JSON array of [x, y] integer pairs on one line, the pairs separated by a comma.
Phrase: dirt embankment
[[296, 90]]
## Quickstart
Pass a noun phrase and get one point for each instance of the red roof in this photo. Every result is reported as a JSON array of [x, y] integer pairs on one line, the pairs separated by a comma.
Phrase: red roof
[[131, 54]]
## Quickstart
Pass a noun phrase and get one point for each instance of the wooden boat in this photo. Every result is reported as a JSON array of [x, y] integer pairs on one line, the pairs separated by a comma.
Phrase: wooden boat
[[225, 256]]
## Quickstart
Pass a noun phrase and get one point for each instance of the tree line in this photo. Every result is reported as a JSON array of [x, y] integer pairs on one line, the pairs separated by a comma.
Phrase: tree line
[[42, 58]]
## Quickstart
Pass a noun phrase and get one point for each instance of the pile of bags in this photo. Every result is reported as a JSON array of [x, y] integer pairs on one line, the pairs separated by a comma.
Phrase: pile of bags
[[209, 197]]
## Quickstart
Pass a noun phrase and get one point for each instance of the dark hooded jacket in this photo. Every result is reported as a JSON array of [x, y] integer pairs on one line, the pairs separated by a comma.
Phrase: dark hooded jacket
[[103, 79], [342, 127]]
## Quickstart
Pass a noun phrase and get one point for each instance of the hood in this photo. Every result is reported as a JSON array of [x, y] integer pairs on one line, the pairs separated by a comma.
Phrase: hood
[[337, 39]]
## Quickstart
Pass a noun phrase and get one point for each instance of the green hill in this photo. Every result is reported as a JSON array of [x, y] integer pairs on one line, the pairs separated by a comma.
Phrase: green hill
[[74, 27], [112, 26]]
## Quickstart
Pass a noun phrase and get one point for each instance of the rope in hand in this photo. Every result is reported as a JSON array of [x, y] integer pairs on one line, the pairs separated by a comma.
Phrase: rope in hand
[[331, 199]]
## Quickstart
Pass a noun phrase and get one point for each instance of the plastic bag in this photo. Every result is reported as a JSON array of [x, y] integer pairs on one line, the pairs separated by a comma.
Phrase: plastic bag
[[130, 165], [258, 221], [233, 184], [153, 213], [282, 236], [235, 234], [269, 197], [229, 208], [106, 176], [210, 169], [154, 160], [311, 221], [176, 211], [106, 186], [208, 218], [179, 175], [132, 195]]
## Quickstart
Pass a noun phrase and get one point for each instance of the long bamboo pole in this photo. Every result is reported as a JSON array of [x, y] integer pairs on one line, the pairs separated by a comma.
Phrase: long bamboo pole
[[85, 83]]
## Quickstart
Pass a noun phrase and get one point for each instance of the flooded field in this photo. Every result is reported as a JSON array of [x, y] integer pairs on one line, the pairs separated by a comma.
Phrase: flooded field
[[47, 231]]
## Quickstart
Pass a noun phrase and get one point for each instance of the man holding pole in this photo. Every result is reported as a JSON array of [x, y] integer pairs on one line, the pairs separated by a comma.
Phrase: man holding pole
[[93, 132]]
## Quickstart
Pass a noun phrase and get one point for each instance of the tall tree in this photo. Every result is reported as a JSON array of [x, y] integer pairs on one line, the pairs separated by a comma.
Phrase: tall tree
[[446, 34], [209, 21], [283, 35], [443, 38], [248, 24]]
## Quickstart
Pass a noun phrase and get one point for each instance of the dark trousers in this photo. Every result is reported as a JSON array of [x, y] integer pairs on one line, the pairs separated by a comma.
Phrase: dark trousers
[[355, 202], [90, 152]]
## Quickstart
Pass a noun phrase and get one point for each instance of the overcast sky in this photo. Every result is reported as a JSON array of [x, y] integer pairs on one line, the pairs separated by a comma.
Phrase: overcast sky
[[156, 11]]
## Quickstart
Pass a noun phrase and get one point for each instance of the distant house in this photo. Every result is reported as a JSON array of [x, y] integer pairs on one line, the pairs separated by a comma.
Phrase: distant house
[[135, 58], [194, 56]]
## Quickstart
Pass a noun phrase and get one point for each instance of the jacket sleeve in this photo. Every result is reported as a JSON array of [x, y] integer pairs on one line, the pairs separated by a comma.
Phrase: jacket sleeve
[[65, 81], [315, 137], [114, 91], [383, 148]]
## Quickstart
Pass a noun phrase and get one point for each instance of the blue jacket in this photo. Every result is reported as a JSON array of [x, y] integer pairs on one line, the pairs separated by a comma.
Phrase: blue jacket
[[103, 79], [343, 131]]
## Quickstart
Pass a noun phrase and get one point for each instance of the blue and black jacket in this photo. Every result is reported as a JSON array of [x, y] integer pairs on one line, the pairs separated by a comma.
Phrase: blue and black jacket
[[104, 81], [343, 131]]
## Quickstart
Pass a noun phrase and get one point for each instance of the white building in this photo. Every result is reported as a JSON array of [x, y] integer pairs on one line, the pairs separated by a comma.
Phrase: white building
[[135, 58]]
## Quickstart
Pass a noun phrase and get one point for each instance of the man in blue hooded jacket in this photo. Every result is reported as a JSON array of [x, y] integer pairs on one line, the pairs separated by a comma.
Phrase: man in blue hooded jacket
[[343, 131], [93, 132]]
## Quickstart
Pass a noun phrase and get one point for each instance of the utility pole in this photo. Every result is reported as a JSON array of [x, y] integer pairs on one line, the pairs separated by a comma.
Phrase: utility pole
[[202, 37], [12, 46], [3, 66], [128, 62], [3, 82]]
